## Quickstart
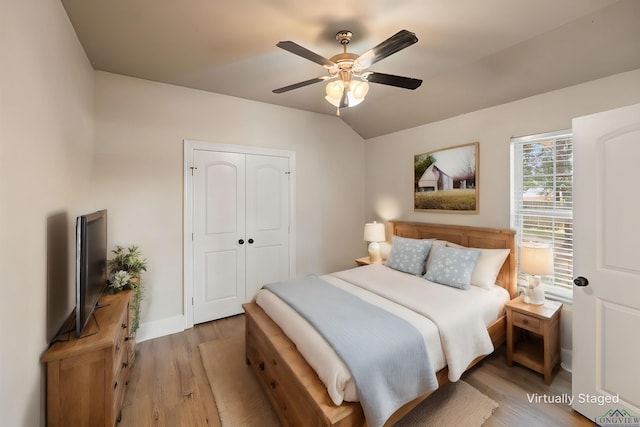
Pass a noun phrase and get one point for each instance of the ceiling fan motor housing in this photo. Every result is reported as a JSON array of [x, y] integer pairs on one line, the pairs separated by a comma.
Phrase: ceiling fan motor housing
[[344, 36]]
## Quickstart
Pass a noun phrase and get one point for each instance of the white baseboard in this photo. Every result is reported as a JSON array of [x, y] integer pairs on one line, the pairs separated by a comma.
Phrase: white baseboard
[[565, 357], [160, 328]]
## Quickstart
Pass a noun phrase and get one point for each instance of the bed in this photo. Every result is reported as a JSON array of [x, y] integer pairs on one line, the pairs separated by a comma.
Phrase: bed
[[297, 392]]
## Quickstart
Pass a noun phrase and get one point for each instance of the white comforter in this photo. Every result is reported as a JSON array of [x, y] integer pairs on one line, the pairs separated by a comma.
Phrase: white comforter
[[452, 322]]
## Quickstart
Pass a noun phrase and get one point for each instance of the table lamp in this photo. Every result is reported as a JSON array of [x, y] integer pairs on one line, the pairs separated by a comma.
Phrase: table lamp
[[374, 233], [536, 260]]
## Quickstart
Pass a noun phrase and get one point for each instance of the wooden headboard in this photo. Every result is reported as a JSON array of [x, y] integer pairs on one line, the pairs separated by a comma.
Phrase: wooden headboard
[[473, 237]]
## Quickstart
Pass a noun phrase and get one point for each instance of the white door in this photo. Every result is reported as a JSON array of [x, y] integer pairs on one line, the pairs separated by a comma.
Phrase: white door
[[241, 228], [606, 312], [218, 234], [267, 221]]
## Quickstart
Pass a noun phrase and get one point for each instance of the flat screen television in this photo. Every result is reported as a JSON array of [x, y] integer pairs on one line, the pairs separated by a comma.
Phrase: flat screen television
[[91, 265]]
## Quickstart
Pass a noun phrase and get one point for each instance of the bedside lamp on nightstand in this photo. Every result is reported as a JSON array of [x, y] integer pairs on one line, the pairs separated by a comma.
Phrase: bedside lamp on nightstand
[[374, 233], [535, 260]]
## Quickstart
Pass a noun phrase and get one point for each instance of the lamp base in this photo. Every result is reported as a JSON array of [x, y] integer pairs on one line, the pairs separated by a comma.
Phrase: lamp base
[[536, 296], [535, 293], [374, 253]]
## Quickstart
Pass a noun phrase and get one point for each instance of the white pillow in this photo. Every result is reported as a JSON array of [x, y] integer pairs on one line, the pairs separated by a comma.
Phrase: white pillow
[[487, 266], [454, 245]]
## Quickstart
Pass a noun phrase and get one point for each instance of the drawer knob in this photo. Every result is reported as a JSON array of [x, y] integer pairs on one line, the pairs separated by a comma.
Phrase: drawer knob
[[525, 321], [261, 366], [273, 384]]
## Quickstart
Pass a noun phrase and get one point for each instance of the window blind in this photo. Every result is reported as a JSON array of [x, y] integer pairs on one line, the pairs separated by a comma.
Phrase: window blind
[[542, 202]]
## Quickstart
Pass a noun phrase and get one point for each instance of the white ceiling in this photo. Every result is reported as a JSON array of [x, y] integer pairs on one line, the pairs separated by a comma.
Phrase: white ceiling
[[471, 54]]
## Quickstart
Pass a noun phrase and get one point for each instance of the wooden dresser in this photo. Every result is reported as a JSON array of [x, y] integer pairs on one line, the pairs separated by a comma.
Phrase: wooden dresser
[[86, 377]]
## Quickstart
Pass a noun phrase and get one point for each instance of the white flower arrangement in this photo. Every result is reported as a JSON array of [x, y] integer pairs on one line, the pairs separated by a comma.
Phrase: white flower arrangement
[[119, 280]]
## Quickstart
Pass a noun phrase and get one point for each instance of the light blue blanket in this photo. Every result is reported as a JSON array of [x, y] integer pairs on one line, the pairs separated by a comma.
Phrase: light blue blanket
[[385, 354]]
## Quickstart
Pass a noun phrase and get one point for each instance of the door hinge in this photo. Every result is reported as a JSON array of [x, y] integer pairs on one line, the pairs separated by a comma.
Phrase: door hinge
[[191, 236], [191, 300], [287, 173]]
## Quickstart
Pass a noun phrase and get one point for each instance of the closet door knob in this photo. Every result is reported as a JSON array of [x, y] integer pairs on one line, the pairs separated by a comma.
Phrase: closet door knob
[[241, 242], [250, 241]]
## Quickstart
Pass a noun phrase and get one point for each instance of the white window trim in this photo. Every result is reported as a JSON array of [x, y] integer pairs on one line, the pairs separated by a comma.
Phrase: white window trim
[[556, 293]]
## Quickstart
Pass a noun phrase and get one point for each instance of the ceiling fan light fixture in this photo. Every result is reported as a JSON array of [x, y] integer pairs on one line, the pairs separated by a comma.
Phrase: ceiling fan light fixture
[[334, 89], [356, 92], [359, 89]]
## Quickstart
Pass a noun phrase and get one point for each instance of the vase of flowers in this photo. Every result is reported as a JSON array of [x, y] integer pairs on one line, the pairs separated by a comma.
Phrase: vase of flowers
[[125, 270]]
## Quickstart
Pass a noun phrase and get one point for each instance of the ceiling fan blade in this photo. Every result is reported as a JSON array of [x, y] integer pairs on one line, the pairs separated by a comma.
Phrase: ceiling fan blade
[[391, 80], [305, 53], [393, 44], [300, 84]]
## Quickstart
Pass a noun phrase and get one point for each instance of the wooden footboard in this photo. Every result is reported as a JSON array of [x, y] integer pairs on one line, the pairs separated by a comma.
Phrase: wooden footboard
[[296, 393]]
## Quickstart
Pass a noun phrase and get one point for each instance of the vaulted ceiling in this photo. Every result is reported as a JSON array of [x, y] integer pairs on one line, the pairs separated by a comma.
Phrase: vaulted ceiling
[[470, 55]]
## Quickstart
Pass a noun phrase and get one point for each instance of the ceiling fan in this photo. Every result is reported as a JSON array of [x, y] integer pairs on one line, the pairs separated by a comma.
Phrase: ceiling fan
[[347, 73]]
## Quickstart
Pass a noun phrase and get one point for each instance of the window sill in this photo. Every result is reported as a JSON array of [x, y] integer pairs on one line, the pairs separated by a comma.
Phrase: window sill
[[564, 296]]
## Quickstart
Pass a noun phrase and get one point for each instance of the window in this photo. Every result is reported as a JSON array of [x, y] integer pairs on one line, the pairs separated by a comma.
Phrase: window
[[542, 202]]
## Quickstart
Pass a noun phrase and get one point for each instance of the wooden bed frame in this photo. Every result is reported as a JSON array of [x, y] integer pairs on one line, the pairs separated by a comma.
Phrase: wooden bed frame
[[296, 393]]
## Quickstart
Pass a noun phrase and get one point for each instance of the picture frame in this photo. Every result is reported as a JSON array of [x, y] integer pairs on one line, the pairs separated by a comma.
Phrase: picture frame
[[447, 180]]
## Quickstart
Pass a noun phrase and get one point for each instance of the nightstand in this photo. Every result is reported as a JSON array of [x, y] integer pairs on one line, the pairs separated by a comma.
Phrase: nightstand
[[366, 261], [533, 336]]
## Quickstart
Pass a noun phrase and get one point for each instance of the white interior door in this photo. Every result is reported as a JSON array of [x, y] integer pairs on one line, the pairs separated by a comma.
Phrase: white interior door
[[606, 312], [219, 255], [267, 221]]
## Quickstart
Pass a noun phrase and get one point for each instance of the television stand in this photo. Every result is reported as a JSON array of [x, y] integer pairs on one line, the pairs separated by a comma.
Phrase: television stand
[[86, 376]]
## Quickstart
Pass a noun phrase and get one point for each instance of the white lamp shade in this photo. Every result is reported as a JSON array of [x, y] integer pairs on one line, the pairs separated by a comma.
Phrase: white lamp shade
[[374, 232], [536, 258]]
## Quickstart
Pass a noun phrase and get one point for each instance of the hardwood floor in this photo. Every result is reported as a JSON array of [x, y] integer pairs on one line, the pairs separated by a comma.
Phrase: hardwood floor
[[168, 385]]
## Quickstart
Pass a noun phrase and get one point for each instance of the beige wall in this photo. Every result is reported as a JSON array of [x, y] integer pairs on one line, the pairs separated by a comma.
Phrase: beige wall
[[140, 127], [390, 157], [46, 142]]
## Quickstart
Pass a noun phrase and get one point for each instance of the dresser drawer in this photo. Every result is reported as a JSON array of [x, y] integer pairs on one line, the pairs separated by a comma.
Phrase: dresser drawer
[[120, 344], [119, 386], [527, 322]]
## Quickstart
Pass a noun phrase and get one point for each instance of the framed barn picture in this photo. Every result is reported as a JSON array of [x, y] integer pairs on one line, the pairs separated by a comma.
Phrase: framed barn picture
[[447, 180]]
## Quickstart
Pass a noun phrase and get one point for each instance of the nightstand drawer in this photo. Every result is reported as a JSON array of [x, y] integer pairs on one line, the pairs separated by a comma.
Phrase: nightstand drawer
[[527, 322]]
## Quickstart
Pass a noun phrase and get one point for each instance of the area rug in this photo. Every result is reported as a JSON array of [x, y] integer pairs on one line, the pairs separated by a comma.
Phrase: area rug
[[241, 402]]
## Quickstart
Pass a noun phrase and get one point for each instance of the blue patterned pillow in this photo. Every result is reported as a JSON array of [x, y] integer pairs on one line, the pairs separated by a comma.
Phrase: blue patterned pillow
[[452, 266], [409, 255]]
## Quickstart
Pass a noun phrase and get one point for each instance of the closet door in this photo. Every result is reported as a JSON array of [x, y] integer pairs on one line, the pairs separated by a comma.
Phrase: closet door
[[241, 229], [219, 256], [267, 217]]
